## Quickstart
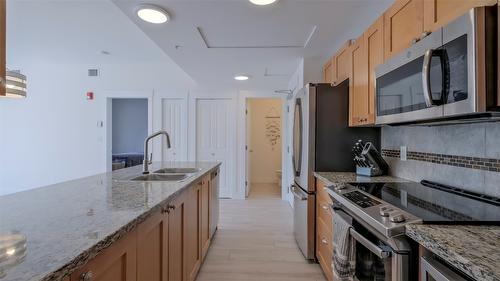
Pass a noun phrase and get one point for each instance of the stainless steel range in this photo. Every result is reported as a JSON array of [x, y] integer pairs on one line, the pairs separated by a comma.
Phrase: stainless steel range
[[379, 212]]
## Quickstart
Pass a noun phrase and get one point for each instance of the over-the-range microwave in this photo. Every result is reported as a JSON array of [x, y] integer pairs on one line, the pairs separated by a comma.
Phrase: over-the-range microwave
[[450, 75]]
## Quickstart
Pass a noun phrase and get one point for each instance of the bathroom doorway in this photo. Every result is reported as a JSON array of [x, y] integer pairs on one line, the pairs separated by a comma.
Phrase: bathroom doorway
[[263, 148], [129, 121]]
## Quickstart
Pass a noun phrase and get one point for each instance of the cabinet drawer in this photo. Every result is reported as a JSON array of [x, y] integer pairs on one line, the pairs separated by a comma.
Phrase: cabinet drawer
[[324, 248], [321, 192], [324, 212]]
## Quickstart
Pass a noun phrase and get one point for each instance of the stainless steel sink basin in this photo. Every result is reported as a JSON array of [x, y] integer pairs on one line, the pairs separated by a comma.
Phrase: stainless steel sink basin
[[160, 177], [178, 171]]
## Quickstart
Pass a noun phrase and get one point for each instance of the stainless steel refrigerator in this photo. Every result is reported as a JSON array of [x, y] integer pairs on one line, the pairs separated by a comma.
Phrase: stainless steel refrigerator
[[322, 141]]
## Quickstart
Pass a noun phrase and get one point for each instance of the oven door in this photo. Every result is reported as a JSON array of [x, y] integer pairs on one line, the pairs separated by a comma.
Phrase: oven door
[[375, 259], [409, 86]]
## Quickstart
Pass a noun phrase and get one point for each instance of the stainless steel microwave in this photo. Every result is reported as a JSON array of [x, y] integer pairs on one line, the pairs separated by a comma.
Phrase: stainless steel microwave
[[449, 74]]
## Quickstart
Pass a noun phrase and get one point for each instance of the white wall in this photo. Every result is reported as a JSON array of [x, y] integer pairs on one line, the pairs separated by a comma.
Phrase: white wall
[[55, 134]]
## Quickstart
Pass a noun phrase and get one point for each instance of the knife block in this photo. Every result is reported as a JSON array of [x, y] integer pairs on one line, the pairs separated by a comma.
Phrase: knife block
[[368, 171]]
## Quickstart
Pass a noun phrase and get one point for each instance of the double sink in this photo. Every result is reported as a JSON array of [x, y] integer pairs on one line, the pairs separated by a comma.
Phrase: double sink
[[167, 174]]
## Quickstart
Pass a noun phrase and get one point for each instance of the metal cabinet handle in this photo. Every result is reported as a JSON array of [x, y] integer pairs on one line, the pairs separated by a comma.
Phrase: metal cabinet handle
[[324, 241], [87, 276], [171, 207], [325, 207]]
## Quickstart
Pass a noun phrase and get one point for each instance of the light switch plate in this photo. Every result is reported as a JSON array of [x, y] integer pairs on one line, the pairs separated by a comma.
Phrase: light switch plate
[[402, 153]]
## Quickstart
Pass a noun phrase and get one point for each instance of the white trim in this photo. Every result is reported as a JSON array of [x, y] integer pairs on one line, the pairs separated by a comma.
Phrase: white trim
[[108, 123]]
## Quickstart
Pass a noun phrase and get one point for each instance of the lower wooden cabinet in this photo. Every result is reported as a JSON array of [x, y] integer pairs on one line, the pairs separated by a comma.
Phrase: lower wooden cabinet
[[152, 248], [176, 242], [192, 235], [168, 246], [206, 214], [116, 263], [324, 229]]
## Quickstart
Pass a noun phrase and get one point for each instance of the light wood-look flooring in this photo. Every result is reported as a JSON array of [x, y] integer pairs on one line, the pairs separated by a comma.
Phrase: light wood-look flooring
[[255, 242]]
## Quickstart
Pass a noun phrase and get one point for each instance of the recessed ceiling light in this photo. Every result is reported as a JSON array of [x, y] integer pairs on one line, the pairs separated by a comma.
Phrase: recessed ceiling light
[[263, 2], [241, 77], [152, 14]]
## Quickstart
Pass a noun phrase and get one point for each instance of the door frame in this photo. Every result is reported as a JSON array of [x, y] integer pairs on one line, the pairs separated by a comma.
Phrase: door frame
[[108, 123], [242, 139]]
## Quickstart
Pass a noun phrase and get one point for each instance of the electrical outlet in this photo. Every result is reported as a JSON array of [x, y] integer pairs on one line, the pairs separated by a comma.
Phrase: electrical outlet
[[402, 153]]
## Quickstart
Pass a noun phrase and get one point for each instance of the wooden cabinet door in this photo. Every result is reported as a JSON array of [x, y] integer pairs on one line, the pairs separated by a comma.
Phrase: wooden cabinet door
[[403, 22], [438, 13], [205, 215], [192, 235], [116, 263], [328, 71], [358, 90], [176, 239], [152, 248], [342, 64], [374, 49]]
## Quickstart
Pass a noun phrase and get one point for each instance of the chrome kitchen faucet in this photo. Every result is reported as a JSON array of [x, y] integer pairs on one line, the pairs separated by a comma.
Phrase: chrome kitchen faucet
[[147, 161]]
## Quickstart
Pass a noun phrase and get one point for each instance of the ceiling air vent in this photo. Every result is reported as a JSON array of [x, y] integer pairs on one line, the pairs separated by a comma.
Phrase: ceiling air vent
[[93, 72]]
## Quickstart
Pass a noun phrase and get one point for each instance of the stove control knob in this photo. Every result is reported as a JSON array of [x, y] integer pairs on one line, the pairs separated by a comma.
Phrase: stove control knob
[[397, 218], [385, 211]]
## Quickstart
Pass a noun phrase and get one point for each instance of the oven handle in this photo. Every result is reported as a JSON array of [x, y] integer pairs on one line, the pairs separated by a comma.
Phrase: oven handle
[[381, 253], [426, 83]]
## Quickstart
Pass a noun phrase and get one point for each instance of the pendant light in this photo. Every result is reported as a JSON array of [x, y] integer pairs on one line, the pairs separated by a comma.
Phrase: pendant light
[[16, 85]]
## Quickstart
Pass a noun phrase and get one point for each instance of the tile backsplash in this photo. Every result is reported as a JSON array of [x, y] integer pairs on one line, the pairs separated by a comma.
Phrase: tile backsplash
[[465, 156]]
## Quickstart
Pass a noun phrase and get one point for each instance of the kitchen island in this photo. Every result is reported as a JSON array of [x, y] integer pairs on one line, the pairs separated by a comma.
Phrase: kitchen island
[[67, 225]]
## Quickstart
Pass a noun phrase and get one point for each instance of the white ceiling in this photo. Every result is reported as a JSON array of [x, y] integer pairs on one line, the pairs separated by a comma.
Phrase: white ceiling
[[75, 32], [209, 41], [213, 40]]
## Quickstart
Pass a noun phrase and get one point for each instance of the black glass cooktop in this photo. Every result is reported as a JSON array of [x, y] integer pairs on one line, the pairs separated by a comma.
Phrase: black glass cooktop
[[436, 203]]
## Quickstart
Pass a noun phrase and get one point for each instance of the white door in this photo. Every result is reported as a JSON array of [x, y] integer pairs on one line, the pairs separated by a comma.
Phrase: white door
[[213, 138], [174, 121], [248, 150]]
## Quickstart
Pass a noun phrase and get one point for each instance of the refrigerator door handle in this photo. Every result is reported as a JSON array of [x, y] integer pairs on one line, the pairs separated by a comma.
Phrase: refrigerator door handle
[[297, 138]]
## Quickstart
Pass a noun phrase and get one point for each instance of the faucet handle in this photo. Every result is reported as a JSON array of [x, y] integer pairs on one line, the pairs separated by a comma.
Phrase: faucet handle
[[150, 160]]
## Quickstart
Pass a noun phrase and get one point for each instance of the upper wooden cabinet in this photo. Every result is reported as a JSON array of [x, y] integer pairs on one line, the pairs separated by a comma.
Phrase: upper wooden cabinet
[[374, 48], [328, 71], [438, 13], [358, 86], [341, 64], [403, 23], [116, 263]]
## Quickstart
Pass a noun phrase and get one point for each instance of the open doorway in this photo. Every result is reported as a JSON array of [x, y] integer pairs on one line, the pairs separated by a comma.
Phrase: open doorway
[[129, 130], [263, 138]]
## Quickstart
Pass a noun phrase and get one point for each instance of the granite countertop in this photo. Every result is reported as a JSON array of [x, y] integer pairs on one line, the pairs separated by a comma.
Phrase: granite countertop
[[335, 178], [472, 249], [67, 224]]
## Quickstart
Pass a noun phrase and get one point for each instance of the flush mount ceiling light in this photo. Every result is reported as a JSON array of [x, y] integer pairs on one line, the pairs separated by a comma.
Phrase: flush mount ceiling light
[[241, 77], [152, 14], [262, 2], [16, 85]]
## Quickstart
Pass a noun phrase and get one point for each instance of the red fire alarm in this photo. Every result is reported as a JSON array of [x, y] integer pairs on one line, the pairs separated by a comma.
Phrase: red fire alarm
[[90, 95]]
